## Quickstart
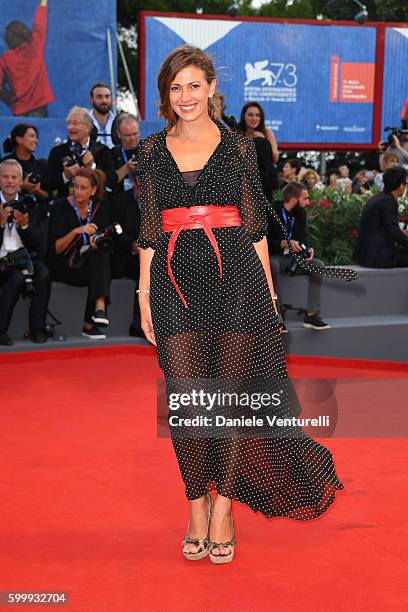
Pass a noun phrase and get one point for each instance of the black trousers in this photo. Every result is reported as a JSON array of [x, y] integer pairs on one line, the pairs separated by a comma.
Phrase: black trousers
[[132, 271], [12, 285], [401, 259], [279, 265], [95, 274]]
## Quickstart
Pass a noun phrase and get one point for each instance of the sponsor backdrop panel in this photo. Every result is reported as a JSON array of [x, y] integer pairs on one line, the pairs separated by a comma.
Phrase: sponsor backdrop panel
[[316, 83], [50, 59], [395, 86]]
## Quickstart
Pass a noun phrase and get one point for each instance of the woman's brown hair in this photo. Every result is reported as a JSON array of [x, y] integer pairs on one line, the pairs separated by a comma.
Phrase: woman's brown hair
[[97, 179], [177, 60]]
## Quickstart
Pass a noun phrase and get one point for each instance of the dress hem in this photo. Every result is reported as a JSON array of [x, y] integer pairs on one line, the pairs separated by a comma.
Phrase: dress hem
[[317, 512]]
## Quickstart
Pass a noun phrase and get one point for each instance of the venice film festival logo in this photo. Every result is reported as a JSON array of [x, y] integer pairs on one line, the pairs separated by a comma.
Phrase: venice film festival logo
[[270, 81], [257, 72]]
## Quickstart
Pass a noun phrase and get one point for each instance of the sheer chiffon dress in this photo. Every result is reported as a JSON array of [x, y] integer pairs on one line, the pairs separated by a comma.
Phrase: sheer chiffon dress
[[230, 329]]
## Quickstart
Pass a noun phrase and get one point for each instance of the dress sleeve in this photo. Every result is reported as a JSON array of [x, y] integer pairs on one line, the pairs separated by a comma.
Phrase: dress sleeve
[[252, 209], [150, 226], [254, 205]]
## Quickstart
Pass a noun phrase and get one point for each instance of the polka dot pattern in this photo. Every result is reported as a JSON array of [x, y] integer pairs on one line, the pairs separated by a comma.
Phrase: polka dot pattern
[[229, 331]]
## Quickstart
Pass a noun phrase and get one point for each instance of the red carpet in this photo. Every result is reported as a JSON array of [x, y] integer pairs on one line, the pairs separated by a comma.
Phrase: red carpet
[[92, 502]]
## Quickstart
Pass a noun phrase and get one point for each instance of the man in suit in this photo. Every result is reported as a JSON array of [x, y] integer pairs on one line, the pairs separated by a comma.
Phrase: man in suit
[[293, 216], [20, 230], [126, 212], [81, 150], [381, 243], [102, 115], [123, 156]]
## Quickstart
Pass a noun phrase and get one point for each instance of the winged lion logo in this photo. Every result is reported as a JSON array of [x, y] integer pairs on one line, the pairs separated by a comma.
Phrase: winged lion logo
[[257, 71]]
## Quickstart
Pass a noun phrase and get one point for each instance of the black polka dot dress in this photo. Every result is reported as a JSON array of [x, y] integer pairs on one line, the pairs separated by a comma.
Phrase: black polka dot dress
[[229, 330]]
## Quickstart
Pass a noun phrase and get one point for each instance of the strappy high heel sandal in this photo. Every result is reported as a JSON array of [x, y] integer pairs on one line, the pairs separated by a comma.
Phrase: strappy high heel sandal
[[201, 543], [220, 558]]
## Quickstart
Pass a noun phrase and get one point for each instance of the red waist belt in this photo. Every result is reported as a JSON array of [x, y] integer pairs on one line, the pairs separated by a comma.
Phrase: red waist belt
[[197, 217]]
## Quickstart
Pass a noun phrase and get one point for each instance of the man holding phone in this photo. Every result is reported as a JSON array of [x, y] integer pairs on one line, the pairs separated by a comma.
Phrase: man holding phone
[[123, 155]]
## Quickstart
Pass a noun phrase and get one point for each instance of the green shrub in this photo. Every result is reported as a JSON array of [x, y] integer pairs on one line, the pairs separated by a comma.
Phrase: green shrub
[[333, 220]]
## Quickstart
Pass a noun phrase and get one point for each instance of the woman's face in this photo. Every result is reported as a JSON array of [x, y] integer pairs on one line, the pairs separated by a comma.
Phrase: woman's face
[[29, 141], [189, 93], [288, 172], [333, 179], [83, 189], [252, 117], [311, 180]]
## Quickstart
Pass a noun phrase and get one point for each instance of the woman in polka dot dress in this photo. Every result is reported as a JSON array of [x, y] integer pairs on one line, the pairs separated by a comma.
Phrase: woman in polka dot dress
[[207, 301]]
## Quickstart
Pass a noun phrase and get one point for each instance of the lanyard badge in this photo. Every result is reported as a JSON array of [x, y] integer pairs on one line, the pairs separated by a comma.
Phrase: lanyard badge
[[292, 223], [85, 239]]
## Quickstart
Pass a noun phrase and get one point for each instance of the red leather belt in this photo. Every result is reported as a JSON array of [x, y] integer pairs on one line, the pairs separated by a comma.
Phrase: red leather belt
[[197, 217]]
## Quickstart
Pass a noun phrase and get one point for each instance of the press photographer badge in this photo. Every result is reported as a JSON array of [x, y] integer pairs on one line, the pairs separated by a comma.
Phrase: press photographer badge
[[127, 184]]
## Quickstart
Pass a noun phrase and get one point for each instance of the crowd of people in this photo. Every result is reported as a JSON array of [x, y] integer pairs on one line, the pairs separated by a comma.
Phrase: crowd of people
[[75, 217]]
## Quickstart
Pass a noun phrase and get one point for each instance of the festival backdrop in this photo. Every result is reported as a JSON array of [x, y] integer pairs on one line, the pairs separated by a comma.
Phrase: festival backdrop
[[395, 84], [315, 82], [42, 79]]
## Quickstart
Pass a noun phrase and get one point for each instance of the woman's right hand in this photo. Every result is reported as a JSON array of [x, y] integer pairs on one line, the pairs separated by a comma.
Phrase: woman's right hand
[[146, 320], [89, 228]]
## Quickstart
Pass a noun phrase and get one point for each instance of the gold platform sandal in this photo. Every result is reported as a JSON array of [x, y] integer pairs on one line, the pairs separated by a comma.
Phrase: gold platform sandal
[[220, 558], [202, 543]]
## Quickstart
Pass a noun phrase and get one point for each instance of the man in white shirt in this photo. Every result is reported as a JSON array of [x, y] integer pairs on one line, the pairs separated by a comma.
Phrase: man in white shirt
[[19, 230], [65, 159], [102, 115], [390, 160]]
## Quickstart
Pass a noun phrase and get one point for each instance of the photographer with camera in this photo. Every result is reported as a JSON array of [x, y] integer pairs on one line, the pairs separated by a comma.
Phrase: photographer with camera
[[21, 272], [363, 180], [21, 146], [397, 143], [80, 151], [293, 215], [390, 161], [381, 243], [123, 156], [126, 211], [79, 247]]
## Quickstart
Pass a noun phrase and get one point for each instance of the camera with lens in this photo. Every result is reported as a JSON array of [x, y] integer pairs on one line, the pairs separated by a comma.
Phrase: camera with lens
[[230, 121], [20, 260], [34, 179], [25, 204], [292, 266], [75, 156], [368, 181], [103, 239], [395, 131]]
